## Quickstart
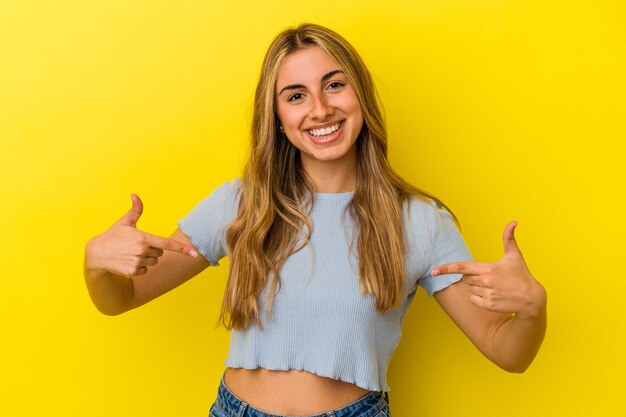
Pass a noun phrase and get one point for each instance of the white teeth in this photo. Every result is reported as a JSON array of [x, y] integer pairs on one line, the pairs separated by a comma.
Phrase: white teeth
[[325, 131]]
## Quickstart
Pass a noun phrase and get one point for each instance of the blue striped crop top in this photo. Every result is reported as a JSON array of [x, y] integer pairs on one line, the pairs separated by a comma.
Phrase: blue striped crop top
[[321, 323]]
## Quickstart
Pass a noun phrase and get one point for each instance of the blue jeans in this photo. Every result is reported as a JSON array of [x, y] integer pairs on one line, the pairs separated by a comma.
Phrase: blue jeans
[[374, 404]]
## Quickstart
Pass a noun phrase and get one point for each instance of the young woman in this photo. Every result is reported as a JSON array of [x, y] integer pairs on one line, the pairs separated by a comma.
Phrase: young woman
[[327, 246]]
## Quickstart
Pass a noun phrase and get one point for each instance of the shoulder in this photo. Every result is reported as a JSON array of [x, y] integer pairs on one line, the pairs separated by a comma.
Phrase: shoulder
[[229, 188], [222, 199], [425, 214], [206, 223], [226, 195]]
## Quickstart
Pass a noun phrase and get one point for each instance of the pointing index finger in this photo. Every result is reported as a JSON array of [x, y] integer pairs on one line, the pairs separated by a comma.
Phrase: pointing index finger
[[170, 244], [466, 268]]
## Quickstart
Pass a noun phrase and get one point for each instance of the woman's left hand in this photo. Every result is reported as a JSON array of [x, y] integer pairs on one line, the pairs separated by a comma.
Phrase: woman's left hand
[[505, 286]]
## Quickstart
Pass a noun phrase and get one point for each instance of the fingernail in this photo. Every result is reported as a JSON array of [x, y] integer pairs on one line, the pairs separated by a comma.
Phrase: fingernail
[[193, 253], [435, 272]]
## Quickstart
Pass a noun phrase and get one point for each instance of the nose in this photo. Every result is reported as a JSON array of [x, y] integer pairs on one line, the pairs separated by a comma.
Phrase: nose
[[320, 107]]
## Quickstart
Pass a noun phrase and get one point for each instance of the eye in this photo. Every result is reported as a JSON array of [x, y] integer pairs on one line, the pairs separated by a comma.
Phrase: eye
[[335, 85], [295, 97]]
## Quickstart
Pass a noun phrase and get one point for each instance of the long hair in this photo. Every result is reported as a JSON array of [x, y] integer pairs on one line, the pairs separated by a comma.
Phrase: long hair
[[276, 194]]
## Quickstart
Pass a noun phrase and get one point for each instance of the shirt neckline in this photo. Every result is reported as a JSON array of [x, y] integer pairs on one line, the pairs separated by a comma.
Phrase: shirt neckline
[[334, 196]]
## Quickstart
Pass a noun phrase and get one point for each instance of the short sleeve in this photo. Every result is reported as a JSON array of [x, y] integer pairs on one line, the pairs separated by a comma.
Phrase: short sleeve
[[447, 245], [206, 224]]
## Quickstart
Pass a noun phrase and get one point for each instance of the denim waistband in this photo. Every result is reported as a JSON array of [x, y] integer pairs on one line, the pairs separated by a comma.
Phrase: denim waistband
[[367, 406]]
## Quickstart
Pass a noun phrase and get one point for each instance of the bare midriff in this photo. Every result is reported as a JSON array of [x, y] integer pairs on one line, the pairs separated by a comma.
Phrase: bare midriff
[[295, 393]]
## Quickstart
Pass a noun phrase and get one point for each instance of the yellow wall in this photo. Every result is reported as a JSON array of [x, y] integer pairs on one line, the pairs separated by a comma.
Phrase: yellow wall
[[504, 109]]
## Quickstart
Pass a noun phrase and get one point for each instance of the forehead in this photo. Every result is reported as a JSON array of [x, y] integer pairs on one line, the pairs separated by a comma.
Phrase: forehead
[[305, 66]]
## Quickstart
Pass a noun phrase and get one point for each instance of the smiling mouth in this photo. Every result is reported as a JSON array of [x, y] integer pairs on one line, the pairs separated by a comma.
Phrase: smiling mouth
[[326, 134]]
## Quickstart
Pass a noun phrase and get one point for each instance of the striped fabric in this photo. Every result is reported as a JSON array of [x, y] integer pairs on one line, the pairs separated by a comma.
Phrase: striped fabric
[[321, 323]]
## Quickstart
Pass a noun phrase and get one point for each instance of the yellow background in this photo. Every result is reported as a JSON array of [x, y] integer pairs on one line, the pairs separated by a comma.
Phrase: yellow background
[[504, 109]]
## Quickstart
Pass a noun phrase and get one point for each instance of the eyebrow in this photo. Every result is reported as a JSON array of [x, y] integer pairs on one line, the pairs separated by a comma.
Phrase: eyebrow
[[324, 78]]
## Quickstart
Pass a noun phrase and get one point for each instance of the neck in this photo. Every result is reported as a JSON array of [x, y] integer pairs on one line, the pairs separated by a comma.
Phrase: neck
[[332, 176]]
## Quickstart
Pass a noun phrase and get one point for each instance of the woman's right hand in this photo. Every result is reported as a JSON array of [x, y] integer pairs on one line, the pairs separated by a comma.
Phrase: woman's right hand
[[125, 250]]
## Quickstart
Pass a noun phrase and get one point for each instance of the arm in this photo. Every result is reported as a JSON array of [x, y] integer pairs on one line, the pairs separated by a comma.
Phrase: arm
[[125, 267], [499, 306]]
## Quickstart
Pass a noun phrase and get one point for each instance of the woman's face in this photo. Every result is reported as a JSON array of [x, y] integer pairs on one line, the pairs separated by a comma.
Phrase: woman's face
[[318, 108]]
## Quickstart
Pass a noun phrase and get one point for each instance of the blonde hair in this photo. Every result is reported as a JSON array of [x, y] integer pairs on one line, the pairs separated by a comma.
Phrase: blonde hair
[[276, 194]]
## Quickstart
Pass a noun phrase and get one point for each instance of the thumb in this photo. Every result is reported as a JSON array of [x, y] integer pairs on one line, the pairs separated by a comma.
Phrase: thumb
[[133, 215], [511, 250]]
